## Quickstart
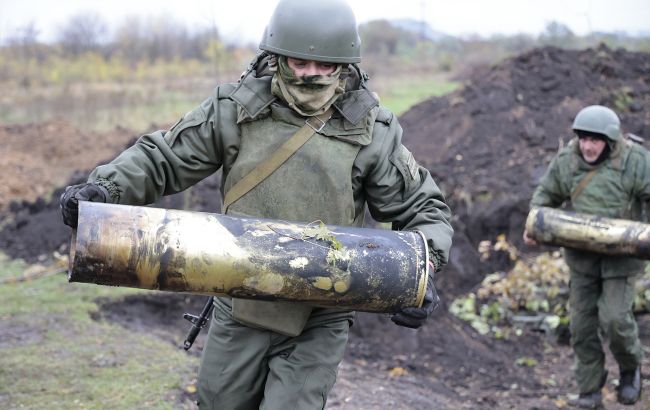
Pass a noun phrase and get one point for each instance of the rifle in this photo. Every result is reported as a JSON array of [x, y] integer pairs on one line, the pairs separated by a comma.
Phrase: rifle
[[198, 322]]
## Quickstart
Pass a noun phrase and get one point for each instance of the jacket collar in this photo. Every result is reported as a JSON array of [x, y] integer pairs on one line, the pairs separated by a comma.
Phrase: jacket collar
[[253, 93], [616, 155]]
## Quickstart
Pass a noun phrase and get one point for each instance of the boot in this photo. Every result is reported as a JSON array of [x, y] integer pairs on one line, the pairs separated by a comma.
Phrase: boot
[[629, 387], [593, 400]]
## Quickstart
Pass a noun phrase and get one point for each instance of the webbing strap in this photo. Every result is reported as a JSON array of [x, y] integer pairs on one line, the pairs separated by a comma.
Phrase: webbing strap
[[582, 184], [276, 159]]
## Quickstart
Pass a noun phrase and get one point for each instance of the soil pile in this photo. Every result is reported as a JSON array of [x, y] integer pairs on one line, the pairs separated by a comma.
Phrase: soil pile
[[37, 161], [40, 157], [489, 142]]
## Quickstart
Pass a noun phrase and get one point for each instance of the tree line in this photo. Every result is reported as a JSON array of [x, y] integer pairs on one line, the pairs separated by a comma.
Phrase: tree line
[[136, 38], [138, 41]]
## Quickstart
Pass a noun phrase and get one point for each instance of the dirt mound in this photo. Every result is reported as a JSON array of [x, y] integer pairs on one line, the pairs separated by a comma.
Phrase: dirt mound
[[40, 157], [22, 231], [38, 160], [489, 142]]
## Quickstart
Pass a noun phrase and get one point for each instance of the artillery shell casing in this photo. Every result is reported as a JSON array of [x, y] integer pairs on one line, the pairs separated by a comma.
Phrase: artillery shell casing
[[597, 234], [374, 270]]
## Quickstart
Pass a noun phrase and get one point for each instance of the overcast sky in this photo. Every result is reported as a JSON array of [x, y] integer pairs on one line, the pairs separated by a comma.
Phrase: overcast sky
[[247, 18]]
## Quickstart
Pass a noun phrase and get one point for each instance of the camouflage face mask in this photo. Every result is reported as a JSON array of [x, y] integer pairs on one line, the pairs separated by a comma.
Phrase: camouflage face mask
[[308, 95]]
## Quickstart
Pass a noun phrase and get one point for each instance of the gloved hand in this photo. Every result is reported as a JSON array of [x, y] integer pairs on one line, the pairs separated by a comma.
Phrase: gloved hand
[[415, 317], [69, 200]]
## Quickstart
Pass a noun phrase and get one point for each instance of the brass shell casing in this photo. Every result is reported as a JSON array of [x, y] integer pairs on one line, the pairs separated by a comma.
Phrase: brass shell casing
[[371, 270], [597, 234]]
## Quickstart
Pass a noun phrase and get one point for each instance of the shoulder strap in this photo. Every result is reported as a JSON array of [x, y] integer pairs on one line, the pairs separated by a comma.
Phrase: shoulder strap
[[276, 159], [583, 184]]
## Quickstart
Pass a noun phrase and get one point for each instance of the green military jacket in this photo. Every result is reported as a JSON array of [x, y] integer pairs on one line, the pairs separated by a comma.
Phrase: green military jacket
[[384, 174], [620, 188]]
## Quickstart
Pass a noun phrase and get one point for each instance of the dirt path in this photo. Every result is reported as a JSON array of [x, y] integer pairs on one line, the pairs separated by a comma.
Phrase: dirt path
[[445, 365]]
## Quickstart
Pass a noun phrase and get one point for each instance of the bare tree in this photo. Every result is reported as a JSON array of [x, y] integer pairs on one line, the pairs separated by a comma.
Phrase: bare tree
[[157, 38], [83, 32], [129, 39], [25, 35], [558, 34], [380, 36], [24, 42]]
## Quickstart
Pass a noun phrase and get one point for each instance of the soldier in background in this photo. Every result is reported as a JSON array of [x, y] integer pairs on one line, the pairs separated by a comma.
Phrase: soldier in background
[[279, 355], [603, 174]]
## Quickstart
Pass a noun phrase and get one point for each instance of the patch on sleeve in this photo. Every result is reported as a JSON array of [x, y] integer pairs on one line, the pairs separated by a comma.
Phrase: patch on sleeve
[[405, 162], [411, 164], [191, 119]]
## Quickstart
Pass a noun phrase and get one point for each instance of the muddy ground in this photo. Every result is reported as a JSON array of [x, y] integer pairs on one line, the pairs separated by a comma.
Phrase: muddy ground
[[486, 144]]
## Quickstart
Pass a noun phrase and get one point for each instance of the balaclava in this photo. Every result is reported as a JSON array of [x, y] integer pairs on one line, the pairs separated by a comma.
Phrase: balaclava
[[308, 95]]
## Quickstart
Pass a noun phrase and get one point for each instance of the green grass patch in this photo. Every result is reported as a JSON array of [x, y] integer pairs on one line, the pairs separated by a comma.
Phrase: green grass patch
[[54, 355], [402, 93], [102, 107], [165, 110]]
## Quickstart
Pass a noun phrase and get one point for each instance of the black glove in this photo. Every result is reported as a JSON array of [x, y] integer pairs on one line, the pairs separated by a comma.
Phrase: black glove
[[69, 200], [415, 317]]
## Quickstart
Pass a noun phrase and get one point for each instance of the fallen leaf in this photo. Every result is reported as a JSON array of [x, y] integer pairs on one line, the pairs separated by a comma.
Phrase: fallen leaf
[[397, 372]]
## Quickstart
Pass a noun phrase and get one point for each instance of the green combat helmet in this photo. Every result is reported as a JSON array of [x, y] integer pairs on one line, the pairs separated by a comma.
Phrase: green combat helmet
[[320, 30], [600, 120]]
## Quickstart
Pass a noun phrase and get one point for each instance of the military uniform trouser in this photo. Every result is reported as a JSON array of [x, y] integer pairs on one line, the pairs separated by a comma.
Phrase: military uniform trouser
[[247, 368], [601, 309]]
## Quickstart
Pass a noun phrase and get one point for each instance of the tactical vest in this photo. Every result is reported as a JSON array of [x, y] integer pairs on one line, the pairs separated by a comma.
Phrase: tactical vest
[[608, 194], [312, 185]]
